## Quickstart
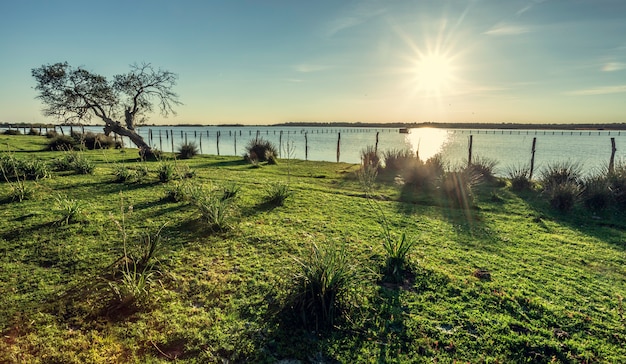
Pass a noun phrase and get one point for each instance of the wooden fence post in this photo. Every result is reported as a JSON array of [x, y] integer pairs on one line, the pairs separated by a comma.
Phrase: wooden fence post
[[218, 142], [160, 141], [469, 152], [612, 160], [235, 141], [338, 146], [532, 159], [280, 144], [376, 147], [306, 146], [201, 143]]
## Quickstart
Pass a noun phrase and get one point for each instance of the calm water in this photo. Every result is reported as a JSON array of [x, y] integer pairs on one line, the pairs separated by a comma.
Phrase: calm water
[[591, 149]]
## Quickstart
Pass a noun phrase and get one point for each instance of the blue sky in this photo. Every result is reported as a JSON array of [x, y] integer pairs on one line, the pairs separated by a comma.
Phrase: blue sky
[[265, 62]]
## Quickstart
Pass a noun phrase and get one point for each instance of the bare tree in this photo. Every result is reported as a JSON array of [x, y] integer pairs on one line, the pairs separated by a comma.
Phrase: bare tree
[[75, 95]]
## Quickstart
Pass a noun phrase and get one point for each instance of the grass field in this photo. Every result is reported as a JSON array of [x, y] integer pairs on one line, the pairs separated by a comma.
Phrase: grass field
[[506, 280]]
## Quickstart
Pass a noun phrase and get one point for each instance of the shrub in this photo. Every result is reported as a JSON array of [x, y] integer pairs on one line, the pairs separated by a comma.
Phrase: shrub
[[34, 131], [483, 168], [424, 175], [230, 191], [260, 150], [51, 134], [560, 173], [277, 194], [520, 178], [397, 161], [563, 196], [617, 180], [370, 157], [597, 193], [94, 141], [322, 285], [177, 193], [187, 151], [12, 132], [457, 187], [61, 143]]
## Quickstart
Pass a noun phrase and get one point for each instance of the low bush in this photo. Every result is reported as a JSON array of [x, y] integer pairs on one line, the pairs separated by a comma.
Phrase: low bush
[[95, 140], [457, 187], [61, 143], [597, 193], [560, 173], [563, 196], [187, 150], [71, 210], [12, 132], [260, 150], [520, 178], [483, 168], [397, 161], [34, 131], [425, 175], [51, 134]]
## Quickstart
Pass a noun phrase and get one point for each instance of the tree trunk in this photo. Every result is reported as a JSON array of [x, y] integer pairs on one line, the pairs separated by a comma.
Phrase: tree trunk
[[117, 128]]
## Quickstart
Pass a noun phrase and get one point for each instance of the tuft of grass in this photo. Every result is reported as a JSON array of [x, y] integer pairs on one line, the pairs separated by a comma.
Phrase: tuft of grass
[[563, 196], [214, 208], [396, 257], [71, 210], [277, 194], [260, 150], [322, 285], [188, 150], [520, 178], [12, 132], [165, 171], [124, 174], [370, 157], [483, 169]]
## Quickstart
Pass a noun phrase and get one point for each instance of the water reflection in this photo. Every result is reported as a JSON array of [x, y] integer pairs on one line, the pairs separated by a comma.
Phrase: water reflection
[[427, 141]]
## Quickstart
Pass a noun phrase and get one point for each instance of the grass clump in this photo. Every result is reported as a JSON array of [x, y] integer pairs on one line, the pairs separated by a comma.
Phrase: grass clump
[[562, 185], [93, 141], [483, 169], [519, 177], [260, 150], [125, 174], [322, 285], [215, 210], [188, 150], [165, 171], [73, 161], [370, 157], [12, 132], [14, 169], [71, 210], [277, 194]]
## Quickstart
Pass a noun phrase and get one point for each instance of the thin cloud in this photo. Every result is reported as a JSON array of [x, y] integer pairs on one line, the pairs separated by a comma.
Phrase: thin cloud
[[614, 66], [308, 67], [606, 90], [358, 15], [507, 29]]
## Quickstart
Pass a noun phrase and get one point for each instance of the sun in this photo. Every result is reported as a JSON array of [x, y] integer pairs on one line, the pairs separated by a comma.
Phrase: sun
[[434, 73]]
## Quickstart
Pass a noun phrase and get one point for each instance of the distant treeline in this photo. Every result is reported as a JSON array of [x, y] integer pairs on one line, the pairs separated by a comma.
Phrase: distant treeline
[[586, 126]]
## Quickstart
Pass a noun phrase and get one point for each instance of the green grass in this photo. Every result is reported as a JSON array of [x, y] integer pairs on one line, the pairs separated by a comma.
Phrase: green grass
[[555, 286]]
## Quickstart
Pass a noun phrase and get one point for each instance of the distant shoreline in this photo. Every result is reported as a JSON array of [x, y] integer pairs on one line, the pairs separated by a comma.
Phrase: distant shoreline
[[502, 126]]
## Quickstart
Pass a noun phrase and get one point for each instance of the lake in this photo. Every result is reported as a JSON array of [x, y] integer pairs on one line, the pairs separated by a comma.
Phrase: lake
[[590, 148]]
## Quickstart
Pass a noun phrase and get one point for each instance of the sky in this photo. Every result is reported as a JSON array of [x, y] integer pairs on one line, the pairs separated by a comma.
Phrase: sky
[[275, 61]]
